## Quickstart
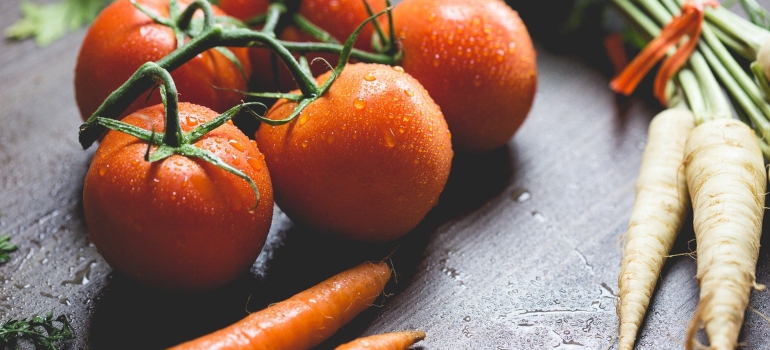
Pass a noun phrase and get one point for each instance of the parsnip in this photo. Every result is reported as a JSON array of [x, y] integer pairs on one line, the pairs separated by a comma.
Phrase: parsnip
[[727, 181], [660, 206]]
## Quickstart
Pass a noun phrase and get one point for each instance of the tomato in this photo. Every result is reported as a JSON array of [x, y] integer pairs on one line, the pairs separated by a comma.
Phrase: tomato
[[180, 223], [339, 18], [365, 161], [477, 61], [122, 38], [243, 9]]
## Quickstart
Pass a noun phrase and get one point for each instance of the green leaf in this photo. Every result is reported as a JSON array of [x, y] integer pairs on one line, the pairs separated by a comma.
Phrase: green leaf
[[41, 331], [5, 248], [48, 22]]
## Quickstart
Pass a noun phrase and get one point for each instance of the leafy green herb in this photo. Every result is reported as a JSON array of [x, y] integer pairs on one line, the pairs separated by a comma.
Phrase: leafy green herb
[[5, 248], [42, 331], [48, 22]]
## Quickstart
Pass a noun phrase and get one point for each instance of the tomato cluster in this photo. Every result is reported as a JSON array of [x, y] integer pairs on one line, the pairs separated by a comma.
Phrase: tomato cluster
[[356, 149]]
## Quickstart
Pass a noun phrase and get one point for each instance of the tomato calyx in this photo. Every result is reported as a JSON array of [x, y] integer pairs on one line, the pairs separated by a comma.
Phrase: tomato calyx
[[185, 26], [382, 43], [173, 140], [306, 98], [215, 34]]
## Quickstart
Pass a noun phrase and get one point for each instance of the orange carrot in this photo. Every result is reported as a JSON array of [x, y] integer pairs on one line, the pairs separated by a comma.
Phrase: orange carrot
[[386, 341], [304, 320]]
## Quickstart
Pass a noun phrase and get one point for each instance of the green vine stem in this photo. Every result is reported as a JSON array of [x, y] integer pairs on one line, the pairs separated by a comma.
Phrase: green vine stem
[[217, 35], [173, 140], [273, 15]]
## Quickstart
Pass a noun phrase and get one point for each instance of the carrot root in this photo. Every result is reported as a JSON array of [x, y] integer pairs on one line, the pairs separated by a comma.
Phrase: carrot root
[[386, 341], [727, 180], [307, 318], [660, 207]]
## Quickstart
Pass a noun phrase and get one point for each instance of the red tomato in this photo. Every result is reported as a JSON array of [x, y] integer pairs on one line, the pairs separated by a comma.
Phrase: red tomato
[[243, 9], [122, 38], [365, 161], [477, 61], [341, 17], [337, 17], [179, 223]]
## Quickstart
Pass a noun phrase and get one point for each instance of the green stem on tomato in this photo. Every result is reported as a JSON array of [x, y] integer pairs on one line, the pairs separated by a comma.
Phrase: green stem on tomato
[[271, 17], [315, 31], [184, 19], [173, 140], [214, 36]]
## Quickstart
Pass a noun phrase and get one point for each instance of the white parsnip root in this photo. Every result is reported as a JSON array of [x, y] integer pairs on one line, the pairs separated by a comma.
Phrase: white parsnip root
[[660, 206], [727, 182]]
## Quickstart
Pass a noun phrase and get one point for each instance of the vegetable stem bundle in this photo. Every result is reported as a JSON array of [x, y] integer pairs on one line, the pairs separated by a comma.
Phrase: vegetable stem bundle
[[722, 162]]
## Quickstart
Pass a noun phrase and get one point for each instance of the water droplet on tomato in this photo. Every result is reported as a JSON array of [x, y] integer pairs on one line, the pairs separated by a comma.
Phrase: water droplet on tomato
[[253, 143], [236, 160], [330, 139], [370, 77], [304, 143], [237, 145], [398, 69], [302, 119], [103, 170], [390, 137], [359, 104], [254, 163], [409, 92], [191, 121]]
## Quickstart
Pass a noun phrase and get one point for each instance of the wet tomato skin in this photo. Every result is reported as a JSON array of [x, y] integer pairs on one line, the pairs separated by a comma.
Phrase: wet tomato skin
[[122, 38], [366, 161], [179, 223], [477, 61]]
